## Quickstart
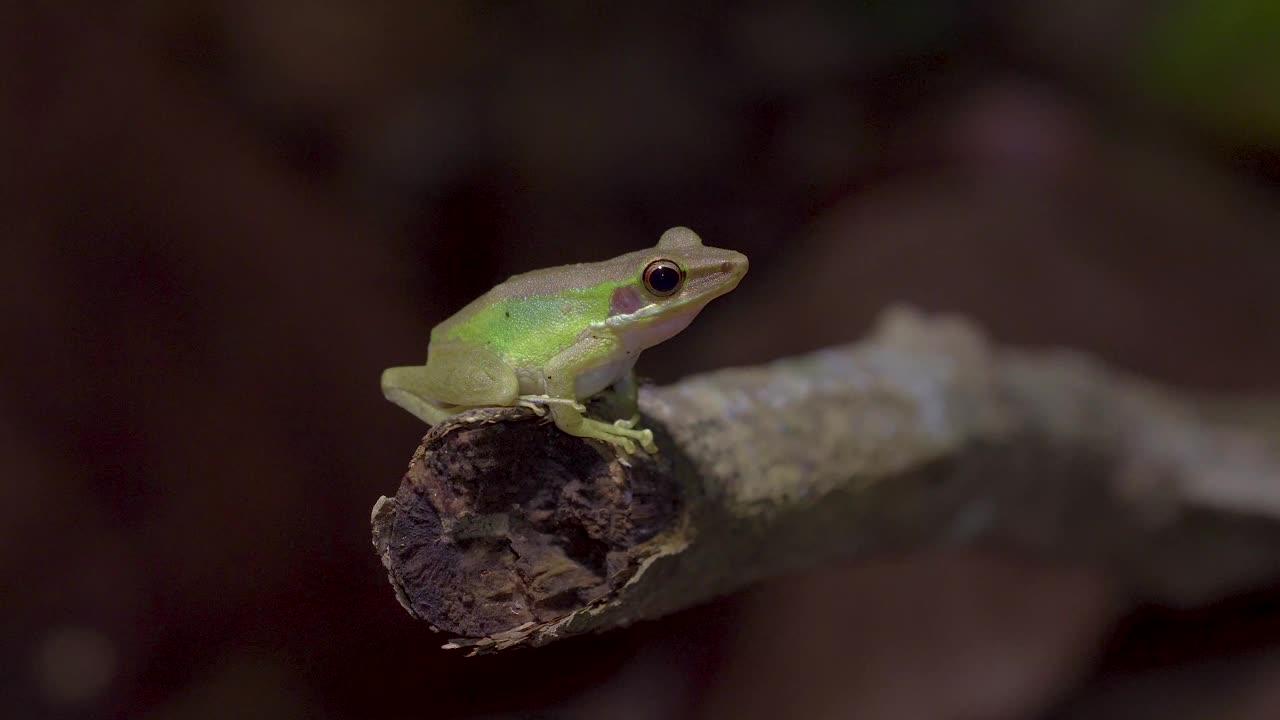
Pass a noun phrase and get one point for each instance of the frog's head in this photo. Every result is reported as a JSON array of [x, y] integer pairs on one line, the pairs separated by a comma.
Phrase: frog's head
[[674, 281]]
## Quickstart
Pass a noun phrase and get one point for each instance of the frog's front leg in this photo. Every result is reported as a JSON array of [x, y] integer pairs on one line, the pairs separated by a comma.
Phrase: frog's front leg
[[561, 375], [627, 390]]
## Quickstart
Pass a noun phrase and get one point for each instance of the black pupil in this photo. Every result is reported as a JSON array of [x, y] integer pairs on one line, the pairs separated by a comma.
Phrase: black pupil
[[664, 279]]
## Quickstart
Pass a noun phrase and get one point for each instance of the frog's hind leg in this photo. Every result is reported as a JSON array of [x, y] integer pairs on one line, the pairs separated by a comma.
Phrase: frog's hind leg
[[456, 377], [404, 387]]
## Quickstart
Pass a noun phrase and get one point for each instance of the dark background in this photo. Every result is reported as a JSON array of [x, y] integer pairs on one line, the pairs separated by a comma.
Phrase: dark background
[[221, 220]]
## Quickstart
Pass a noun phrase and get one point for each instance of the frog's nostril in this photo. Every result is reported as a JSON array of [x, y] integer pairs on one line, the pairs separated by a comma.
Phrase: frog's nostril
[[726, 266]]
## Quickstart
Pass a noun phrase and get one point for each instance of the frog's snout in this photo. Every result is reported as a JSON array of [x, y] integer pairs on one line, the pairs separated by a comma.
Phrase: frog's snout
[[736, 265]]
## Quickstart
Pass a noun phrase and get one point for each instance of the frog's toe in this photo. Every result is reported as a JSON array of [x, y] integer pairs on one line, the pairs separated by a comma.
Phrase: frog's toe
[[645, 438], [538, 408], [628, 423], [646, 442], [541, 402]]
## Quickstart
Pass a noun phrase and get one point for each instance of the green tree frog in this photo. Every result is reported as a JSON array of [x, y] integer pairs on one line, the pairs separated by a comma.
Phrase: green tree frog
[[550, 339]]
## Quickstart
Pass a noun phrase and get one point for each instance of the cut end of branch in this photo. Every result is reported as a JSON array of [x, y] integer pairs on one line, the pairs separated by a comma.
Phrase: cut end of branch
[[504, 521]]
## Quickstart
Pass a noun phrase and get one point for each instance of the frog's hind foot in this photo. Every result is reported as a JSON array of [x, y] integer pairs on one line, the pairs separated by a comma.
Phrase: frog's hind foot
[[538, 409], [539, 403]]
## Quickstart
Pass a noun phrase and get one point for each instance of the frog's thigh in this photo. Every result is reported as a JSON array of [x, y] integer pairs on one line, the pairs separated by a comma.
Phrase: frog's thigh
[[465, 375], [403, 386]]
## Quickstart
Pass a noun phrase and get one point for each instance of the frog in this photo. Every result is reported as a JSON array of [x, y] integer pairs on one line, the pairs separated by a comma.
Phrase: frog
[[552, 339]]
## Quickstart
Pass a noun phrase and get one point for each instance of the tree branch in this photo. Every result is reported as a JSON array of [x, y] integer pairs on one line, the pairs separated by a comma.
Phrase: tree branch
[[506, 530]]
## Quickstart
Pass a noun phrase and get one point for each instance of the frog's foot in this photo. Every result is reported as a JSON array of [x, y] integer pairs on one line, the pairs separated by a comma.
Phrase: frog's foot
[[539, 403], [645, 436], [621, 433], [538, 409], [620, 437]]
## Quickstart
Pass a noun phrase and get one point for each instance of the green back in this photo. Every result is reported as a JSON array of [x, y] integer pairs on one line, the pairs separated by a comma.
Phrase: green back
[[529, 330]]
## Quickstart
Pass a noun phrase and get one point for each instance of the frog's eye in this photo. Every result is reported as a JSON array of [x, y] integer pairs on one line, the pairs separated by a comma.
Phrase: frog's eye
[[663, 277]]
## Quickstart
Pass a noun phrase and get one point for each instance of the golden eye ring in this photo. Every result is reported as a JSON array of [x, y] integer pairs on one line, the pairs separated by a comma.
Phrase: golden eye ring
[[663, 278]]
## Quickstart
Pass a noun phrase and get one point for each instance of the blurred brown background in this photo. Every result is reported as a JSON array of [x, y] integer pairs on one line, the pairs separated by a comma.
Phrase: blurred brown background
[[223, 219]]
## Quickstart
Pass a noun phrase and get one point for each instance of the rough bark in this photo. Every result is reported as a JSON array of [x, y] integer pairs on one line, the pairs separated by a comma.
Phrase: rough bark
[[507, 531]]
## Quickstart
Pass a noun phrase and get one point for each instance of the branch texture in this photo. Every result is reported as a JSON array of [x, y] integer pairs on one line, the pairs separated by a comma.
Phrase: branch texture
[[507, 531]]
